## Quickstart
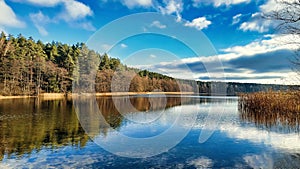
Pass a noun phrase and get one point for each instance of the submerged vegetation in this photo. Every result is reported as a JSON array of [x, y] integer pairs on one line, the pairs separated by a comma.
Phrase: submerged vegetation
[[271, 108]]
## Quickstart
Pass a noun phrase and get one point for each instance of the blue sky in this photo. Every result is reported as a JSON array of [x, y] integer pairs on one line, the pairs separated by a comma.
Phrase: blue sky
[[247, 46]]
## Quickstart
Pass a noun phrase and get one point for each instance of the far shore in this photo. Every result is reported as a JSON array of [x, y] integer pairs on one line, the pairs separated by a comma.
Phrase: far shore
[[50, 96]]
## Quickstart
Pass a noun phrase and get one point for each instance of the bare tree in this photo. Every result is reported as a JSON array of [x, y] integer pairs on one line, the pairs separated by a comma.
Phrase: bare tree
[[287, 14]]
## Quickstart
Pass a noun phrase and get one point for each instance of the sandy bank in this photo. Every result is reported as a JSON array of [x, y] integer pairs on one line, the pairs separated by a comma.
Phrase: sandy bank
[[15, 97], [50, 96]]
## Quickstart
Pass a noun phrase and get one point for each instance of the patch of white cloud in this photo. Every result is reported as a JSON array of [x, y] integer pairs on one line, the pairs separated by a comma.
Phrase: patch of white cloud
[[260, 24], [74, 13], [8, 17], [274, 5], [152, 56], [75, 10], [137, 3], [123, 45], [236, 19], [40, 21], [46, 3], [157, 24], [172, 7], [229, 57], [273, 43], [218, 3], [257, 23], [199, 23]]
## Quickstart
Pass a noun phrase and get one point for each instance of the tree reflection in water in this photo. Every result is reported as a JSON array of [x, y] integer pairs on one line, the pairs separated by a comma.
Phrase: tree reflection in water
[[28, 125]]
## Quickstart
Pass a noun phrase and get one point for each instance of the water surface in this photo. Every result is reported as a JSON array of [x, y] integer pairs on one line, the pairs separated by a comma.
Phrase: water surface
[[47, 133]]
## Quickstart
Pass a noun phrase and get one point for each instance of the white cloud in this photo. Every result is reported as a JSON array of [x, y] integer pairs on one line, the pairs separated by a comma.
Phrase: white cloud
[[257, 23], [46, 3], [158, 25], [40, 21], [236, 19], [218, 3], [137, 3], [123, 45], [75, 10], [74, 13], [152, 56], [272, 5], [273, 43], [172, 7], [253, 62], [199, 23], [260, 24], [8, 17]]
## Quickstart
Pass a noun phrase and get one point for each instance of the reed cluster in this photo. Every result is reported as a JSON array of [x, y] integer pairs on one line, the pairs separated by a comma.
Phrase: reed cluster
[[271, 108]]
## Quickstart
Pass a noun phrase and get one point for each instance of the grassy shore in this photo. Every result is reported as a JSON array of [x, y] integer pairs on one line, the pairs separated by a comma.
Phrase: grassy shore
[[271, 109], [270, 102]]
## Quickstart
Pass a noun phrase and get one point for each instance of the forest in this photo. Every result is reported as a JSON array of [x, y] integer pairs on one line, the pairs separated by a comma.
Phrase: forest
[[29, 67]]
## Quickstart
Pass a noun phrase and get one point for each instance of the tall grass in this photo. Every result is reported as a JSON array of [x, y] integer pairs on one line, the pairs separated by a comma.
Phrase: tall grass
[[271, 108]]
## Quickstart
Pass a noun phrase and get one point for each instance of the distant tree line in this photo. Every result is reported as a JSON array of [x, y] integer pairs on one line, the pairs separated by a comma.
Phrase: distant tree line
[[29, 67], [233, 88]]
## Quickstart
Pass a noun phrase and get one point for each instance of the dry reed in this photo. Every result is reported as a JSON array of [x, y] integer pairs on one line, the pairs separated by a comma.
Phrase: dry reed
[[271, 108]]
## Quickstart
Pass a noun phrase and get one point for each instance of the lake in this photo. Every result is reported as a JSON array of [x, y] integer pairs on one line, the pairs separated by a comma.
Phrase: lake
[[143, 132]]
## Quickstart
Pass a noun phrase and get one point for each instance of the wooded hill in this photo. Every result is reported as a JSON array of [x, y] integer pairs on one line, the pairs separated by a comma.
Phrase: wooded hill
[[29, 67]]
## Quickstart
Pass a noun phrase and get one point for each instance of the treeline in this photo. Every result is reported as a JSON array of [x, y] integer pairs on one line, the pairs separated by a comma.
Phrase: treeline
[[29, 67], [142, 81], [233, 88]]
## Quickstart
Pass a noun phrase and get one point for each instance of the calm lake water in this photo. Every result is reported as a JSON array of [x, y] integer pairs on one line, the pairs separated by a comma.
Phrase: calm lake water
[[207, 132]]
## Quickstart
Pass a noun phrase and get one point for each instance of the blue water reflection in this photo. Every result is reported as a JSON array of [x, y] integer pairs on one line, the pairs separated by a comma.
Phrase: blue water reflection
[[235, 142]]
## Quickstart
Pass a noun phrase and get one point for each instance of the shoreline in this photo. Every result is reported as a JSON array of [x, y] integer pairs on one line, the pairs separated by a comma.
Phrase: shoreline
[[50, 96], [15, 97]]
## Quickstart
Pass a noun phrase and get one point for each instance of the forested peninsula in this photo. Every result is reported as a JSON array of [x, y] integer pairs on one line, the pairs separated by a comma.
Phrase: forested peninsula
[[29, 67]]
